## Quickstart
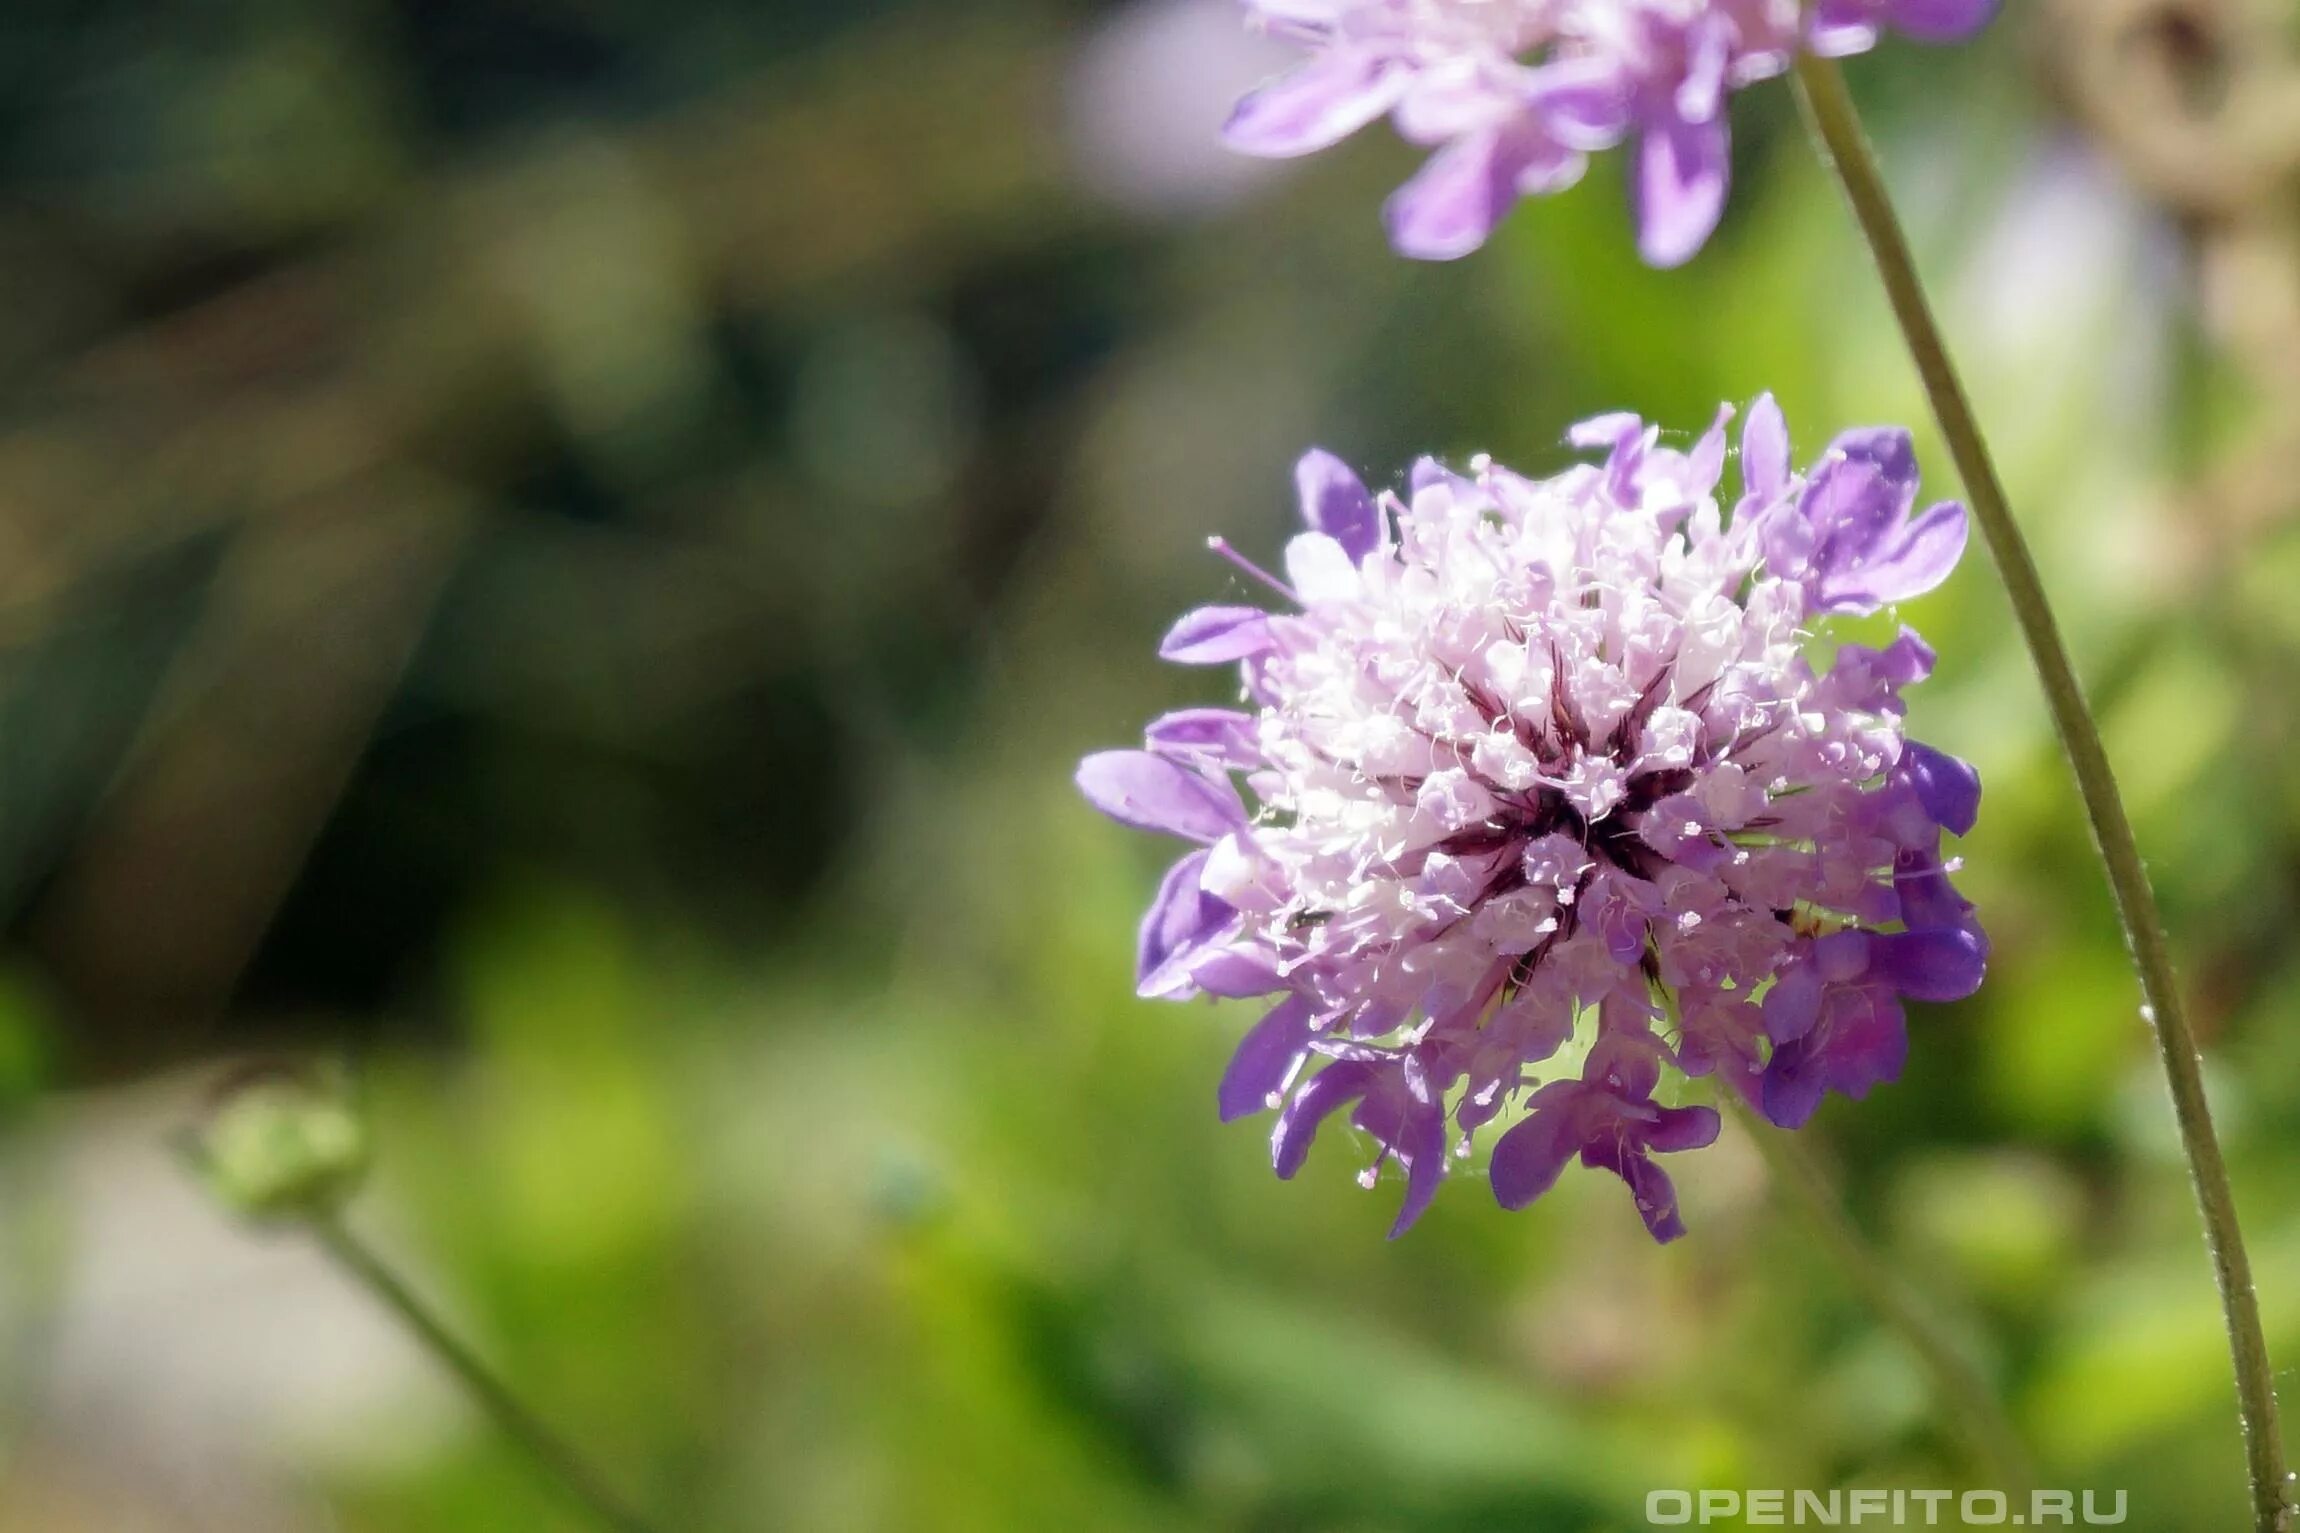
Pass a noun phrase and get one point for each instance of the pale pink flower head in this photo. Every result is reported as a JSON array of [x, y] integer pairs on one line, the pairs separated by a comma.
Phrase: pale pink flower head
[[1538, 804], [1513, 95]]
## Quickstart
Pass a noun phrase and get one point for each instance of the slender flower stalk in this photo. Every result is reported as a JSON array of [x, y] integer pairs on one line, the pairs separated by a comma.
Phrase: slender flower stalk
[[1836, 126], [514, 1417], [1963, 1393]]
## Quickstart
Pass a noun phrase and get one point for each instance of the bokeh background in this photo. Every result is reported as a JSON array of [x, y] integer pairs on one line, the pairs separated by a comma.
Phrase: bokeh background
[[563, 553]]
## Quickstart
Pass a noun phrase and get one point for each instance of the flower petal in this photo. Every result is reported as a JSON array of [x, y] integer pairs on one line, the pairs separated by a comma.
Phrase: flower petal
[[1940, 21], [1583, 103], [1219, 735], [1905, 564], [1929, 902], [1320, 571], [1793, 1005], [1611, 430], [1764, 449], [1267, 1059], [1949, 789], [1236, 974], [1851, 504], [1420, 1147], [1862, 1041], [1682, 1128], [1677, 187], [1320, 103], [1649, 1185], [1334, 1087], [1335, 501], [1213, 635], [1454, 202], [1793, 1087], [1530, 1157], [1152, 793], [1939, 965], [1181, 917]]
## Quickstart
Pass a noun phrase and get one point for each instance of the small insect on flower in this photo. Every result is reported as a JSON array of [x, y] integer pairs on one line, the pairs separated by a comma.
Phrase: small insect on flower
[[1536, 799], [1515, 94]]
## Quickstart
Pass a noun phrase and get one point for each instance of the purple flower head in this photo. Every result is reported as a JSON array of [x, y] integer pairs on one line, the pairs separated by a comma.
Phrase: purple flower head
[[1537, 806], [1513, 96]]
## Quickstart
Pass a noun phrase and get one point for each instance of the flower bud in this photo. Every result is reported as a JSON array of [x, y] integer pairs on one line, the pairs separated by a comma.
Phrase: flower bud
[[282, 1144]]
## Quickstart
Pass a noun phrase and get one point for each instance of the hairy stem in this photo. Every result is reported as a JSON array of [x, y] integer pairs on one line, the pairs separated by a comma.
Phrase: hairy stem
[[1836, 128], [549, 1451], [1964, 1395]]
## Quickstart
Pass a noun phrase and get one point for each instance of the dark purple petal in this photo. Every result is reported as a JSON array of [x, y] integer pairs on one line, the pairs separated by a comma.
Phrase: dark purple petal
[[1212, 734], [1411, 1127], [1940, 21], [1720, 1034], [1869, 679], [1949, 788], [1334, 1087], [1939, 965], [1536, 1024], [1213, 635], [1902, 564], [1889, 449], [1619, 908], [1264, 1065], [1377, 1017], [1422, 1149], [1336, 502], [1793, 1086], [1860, 1042], [1679, 177], [1793, 1005], [1624, 1064], [1850, 505], [1528, 1159], [1682, 1128], [1320, 103], [1152, 793], [1929, 902], [1181, 917], [1655, 1194], [1842, 957]]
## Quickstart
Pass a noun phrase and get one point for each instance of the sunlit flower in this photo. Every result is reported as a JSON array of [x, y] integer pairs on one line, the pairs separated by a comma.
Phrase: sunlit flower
[[1538, 799], [1515, 94]]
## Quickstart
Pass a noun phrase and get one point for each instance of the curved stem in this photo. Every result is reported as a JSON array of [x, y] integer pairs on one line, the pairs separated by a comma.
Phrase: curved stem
[[510, 1413], [1836, 126], [1963, 1393]]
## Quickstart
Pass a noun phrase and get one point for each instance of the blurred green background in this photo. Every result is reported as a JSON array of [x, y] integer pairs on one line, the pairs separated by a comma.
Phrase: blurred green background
[[564, 552]]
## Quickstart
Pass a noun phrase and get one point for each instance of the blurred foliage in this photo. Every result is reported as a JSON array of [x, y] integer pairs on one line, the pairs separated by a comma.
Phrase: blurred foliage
[[568, 551]]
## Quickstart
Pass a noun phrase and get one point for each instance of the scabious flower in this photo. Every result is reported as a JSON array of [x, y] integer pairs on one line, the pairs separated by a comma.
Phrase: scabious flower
[[1515, 94], [1544, 798]]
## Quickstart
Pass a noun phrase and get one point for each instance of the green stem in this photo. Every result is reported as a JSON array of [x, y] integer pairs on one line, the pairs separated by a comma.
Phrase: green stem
[[1962, 1392], [1836, 126], [551, 1452]]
